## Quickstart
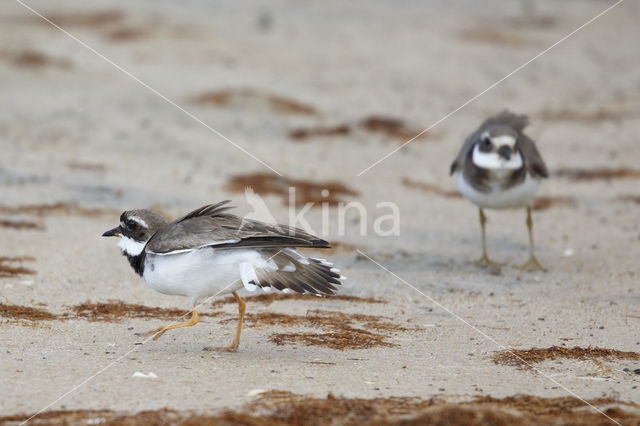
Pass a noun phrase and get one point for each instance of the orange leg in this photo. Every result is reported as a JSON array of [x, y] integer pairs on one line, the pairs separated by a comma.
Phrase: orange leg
[[236, 341], [157, 332]]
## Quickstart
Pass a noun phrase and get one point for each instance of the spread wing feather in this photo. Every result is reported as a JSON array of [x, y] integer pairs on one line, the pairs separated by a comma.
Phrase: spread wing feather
[[211, 210], [292, 271]]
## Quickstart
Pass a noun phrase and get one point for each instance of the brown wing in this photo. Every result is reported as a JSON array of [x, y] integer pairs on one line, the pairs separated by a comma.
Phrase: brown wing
[[208, 210], [210, 227], [532, 158], [466, 147]]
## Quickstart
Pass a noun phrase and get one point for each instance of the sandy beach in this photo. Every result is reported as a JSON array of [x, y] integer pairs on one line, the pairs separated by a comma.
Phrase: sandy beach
[[173, 105]]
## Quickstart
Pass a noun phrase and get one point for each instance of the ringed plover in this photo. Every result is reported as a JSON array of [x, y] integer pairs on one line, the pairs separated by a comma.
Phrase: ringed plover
[[209, 252], [499, 167]]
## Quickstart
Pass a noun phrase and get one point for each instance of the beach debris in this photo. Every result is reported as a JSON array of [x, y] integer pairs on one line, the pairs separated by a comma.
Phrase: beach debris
[[140, 374]]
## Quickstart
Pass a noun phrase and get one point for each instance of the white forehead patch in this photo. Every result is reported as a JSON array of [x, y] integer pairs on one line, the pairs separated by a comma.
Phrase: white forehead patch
[[493, 161], [129, 246], [504, 140]]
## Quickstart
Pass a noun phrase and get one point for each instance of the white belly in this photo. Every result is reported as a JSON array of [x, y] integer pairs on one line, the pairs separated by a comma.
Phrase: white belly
[[198, 274], [518, 196]]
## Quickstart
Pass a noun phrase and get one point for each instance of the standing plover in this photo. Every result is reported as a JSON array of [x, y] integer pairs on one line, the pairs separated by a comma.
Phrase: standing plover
[[210, 252], [500, 168]]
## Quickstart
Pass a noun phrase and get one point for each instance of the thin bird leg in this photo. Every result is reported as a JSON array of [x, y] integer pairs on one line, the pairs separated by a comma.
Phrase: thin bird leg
[[241, 309], [236, 341], [484, 260], [157, 332], [532, 263]]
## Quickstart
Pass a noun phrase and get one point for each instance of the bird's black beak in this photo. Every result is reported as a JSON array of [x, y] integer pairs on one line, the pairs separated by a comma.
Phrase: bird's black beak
[[505, 152], [112, 232]]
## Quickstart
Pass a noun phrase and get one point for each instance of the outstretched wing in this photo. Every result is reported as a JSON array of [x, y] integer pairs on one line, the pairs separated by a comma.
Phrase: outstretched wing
[[209, 226]]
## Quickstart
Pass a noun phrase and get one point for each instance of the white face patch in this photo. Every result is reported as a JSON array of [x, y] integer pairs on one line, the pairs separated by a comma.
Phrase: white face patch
[[129, 246], [504, 140], [493, 161]]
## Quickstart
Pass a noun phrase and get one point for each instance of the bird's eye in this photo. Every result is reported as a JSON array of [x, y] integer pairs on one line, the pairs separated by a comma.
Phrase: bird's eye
[[131, 224], [486, 140]]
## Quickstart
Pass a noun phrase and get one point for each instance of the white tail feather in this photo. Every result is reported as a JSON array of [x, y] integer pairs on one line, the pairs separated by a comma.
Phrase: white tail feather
[[247, 275]]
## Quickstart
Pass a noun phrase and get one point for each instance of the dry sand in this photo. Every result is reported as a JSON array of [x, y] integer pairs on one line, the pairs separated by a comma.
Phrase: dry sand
[[81, 141]]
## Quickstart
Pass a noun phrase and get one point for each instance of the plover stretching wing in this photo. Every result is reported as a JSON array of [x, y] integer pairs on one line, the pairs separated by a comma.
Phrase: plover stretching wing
[[210, 251], [499, 167]]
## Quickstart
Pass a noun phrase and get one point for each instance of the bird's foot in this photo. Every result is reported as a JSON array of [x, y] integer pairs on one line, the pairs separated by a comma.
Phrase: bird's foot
[[484, 262], [533, 265], [156, 332], [233, 347]]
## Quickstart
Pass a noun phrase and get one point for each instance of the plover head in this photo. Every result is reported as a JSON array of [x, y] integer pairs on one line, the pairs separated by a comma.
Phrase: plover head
[[497, 149], [135, 229]]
